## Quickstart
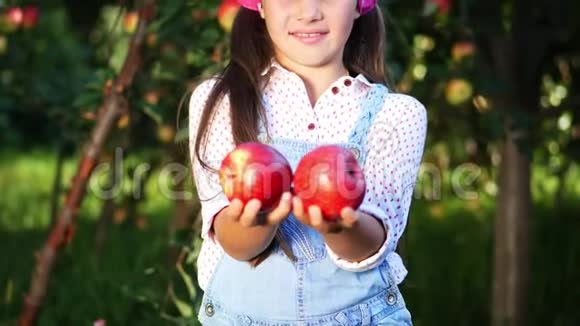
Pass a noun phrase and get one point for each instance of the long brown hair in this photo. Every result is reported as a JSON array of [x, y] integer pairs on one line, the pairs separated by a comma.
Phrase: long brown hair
[[251, 52]]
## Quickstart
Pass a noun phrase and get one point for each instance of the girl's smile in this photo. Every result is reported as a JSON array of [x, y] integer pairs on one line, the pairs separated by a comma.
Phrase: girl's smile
[[309, 37]]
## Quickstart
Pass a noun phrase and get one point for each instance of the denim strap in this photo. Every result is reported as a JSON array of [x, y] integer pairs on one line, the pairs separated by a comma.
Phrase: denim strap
[[372, 104]]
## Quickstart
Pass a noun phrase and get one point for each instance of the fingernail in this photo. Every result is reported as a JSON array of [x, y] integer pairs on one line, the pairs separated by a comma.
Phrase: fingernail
[[286, 196]]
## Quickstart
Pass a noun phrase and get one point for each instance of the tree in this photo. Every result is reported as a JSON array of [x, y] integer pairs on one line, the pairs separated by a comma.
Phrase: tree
[[502, 55]]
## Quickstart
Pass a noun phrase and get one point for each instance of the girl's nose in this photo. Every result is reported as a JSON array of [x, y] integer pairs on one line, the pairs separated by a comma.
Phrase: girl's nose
[[309, 10]]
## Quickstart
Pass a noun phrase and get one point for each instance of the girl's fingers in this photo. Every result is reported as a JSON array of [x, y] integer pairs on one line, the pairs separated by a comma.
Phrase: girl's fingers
[[298, 210], [234, 210], [349, 217], [281, 211], [297, 207], [316, 219], [250, 214]]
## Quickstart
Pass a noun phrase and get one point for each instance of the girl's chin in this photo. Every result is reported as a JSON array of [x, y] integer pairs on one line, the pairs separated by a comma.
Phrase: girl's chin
[[315, 60], [316, 63], [306, 57]]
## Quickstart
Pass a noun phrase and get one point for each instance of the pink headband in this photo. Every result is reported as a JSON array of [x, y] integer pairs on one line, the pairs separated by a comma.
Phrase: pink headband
[[364, 6]]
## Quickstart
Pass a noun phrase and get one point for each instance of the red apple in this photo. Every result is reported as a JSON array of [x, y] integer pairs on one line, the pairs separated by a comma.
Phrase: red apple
[[130, 21], [255, 170], [100, 322], [14, 17], [443, 5], [458, 91], [330, 178], [152, 97], [30, 16], [226, 14], [462, 50]]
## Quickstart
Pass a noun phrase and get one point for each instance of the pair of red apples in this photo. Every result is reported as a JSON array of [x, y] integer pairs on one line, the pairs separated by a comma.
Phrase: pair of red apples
[[329, 177]]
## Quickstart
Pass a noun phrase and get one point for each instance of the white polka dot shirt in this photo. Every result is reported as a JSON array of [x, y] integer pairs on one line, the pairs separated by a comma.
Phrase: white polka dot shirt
[[396, 140]]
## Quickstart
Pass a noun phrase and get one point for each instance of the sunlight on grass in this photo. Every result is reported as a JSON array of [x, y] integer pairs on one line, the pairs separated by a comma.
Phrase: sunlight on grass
[[545, 184], [26, 180]]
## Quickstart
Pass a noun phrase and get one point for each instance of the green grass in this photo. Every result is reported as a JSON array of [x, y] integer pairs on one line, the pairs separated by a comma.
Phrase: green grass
[[125, 286], [448, 251]]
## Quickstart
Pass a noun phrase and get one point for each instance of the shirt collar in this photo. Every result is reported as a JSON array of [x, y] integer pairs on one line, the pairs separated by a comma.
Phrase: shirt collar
[[274, 64]]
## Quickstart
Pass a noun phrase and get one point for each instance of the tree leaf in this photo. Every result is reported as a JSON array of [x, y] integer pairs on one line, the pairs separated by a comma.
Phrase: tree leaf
[[153, 112], [187, 280], [87, 99], [182, 135], [119, 55], [184, 309]]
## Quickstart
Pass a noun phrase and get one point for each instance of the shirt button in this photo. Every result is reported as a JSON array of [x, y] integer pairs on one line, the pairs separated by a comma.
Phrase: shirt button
[[335, 90], [347, 82], [209, 310], [311, 126]]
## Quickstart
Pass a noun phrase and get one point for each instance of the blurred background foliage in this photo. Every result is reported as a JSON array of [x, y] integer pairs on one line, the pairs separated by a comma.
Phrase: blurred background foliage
[[132, 260]]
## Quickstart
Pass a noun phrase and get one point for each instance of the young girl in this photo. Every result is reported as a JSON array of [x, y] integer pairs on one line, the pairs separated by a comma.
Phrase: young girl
[[305, 73]]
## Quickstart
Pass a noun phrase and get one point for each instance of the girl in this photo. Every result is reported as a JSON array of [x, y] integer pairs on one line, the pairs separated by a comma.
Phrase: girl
[[305, 73]]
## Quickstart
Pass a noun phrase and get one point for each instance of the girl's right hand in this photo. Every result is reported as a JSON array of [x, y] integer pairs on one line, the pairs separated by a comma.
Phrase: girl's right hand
[[250, 215]]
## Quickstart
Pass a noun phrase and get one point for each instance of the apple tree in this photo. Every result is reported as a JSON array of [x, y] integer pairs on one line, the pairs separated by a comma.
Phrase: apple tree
[[498, 80], [118, 84]]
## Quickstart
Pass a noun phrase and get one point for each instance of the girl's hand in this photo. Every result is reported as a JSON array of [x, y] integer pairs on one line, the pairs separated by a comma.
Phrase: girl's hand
[[349, 218], [250, 215]]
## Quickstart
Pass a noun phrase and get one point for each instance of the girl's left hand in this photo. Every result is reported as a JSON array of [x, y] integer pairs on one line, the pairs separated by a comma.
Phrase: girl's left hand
[[313, 217]]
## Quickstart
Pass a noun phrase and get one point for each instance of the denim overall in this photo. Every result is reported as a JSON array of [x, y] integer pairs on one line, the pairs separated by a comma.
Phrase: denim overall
[[312, 289]]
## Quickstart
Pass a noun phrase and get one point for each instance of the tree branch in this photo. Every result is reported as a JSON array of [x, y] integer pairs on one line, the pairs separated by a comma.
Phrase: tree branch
[[63, 230]]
